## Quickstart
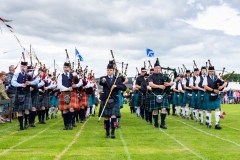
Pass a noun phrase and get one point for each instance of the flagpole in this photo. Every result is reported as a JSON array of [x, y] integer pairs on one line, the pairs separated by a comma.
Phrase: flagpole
[[75, 57]]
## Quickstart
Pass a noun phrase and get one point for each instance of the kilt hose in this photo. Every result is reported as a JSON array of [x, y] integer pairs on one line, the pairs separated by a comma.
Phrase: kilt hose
[[91, 100], [84, 100], [110, 112], [180, 100], [154, 105], [211, 105], [35, 100], [175, 98], [199, 99], [72, 104], [187, 100], [27, 102], [194, 100]]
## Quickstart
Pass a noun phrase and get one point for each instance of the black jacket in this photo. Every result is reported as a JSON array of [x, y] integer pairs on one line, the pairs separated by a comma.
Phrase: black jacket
[[107, 87]]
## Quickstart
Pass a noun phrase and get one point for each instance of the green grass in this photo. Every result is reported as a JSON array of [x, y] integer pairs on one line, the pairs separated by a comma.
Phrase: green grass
[[135, 140]]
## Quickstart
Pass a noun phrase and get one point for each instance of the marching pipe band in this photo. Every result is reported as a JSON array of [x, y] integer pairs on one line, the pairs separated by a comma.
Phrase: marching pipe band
[[73, 93]]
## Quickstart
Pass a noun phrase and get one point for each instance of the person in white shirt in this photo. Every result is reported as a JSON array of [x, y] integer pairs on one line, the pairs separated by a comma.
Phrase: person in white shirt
[[187, 97], [213, 85]]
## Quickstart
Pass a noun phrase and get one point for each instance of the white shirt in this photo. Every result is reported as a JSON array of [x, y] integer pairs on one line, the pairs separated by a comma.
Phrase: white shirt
[[196, 81], [63, 88], [179, 85]]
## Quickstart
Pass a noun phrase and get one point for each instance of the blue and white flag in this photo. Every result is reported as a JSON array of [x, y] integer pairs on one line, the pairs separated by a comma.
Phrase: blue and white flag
[[149, 52], [78, 55]]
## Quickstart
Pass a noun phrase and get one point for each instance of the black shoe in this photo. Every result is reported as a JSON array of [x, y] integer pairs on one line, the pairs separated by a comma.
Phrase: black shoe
[[191, 115], [65, 128], [218, 126], [70, 126], [156, 125], [74, 125], [26, 126], [43, 122], [113, 136], [173, 114], [209, 126], [32, 125], [163, 126], [47, 118], [20, 129], [206, 123], [107, 136]]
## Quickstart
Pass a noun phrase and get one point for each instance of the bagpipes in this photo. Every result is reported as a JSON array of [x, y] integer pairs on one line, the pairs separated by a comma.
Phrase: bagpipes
[[125, 72]]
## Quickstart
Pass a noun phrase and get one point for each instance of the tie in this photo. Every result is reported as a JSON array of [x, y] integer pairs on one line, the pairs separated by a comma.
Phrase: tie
[[23, 73], [212, 79]]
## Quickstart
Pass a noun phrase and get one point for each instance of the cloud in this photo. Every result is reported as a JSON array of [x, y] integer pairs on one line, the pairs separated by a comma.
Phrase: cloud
[[127, 27]]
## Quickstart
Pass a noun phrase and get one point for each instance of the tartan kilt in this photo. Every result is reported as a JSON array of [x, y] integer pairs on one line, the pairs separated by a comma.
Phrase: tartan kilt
[[175, 98], [147, 101], [27, 103], [135, 100], [170, 98], [199, 102], [154, 105], [84, 100], [194, 100], [35, 100], [12, 98], [186, 100], [46, 100], [140, 99], [54, 101], [110, 112], [62, 105], [120, 98], [210, 105], [75, 101], [143, 103], [91, 100], [180, 100]]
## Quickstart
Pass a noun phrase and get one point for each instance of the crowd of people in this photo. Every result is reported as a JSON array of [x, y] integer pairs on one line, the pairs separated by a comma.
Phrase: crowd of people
[[230, 97]]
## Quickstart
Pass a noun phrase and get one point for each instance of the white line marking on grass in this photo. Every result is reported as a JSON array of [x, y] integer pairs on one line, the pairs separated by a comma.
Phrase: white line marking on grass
[[72, 142], [185, 147], [8, 128], [210, 134], [231, 127], [125, 145], [7, 150]]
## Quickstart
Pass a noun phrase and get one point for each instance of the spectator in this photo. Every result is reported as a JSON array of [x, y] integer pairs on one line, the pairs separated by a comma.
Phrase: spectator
[[11, 91], [226, 99], [230, 95], [3, 94], [237, 95], [222, 94]]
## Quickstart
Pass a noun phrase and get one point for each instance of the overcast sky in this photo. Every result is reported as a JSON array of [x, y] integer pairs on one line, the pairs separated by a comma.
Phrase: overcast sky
[[178, 31]]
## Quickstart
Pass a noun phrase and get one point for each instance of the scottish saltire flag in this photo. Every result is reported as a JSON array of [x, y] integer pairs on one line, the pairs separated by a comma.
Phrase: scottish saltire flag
[[78, 55], [149, 52]]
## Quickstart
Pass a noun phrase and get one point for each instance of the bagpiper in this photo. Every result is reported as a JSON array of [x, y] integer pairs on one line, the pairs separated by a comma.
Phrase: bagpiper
[[111, 84], [211, 102], [67, 98], [22, 81], [158, 97]]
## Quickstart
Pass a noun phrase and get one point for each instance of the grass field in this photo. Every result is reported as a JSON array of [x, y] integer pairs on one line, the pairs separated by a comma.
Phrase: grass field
[[135, 140]]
